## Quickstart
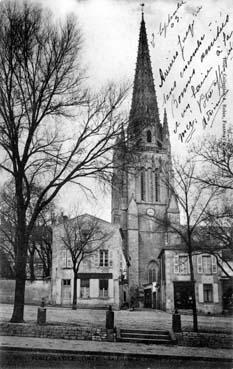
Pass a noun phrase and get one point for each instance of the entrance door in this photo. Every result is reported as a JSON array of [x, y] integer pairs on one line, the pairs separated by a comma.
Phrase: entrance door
[[147, 298], [66, 292], [183, 295]]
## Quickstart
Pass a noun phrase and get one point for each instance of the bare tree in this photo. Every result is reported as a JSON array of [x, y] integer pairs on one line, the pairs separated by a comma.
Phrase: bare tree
[[82, 237], [193, 202], [216, 155], [41, 86], [216, 236]]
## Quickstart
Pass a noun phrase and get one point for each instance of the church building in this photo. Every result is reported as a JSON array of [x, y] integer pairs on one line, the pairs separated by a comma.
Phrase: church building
[[143, 262], [140, 194]]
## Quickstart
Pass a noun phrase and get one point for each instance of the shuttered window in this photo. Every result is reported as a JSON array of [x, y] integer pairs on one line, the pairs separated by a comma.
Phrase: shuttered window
[[104, 257], [208, 292], [103, 287], [181, 264], [206, 264], [84, 288], [66, 259]]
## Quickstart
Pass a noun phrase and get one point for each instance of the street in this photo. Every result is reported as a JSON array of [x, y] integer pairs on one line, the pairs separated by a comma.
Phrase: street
[[13, 360]]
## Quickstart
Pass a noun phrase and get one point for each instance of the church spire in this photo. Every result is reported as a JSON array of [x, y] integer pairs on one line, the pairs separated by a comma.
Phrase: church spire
[[144, 108], [166, 136]]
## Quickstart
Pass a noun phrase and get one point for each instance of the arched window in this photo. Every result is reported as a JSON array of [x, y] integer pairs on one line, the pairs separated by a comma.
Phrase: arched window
[[151, 275], [157, 186], [143, 185], [148, 136], [152, 272]]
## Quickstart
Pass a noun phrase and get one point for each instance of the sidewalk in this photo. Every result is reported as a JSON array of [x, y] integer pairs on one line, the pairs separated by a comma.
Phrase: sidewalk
[[112, 349]]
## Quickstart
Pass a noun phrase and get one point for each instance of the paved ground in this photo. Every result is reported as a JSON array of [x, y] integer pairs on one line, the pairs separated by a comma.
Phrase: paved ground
[[146, 319], [115, 349]]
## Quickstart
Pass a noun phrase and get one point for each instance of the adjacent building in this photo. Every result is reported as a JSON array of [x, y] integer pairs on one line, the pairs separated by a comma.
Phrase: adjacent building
[[100, 274], [176, 287]]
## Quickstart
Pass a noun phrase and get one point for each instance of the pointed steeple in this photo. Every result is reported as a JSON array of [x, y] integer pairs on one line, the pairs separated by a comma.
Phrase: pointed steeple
[[166, 136], [144, 108]]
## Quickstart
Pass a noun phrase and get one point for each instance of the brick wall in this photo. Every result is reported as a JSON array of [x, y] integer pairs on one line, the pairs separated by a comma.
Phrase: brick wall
[[56, 331], [212, 340]]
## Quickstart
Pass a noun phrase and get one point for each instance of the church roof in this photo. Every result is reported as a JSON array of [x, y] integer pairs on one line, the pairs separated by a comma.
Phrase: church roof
[[144, 108]]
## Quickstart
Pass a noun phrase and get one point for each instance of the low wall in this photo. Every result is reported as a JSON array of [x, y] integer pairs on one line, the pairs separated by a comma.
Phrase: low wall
[[55, 331], [34, 291], [212, 340]]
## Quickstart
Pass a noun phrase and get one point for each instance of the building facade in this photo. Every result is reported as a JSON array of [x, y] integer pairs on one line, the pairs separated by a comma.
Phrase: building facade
[[140, 194], [100, 273], [176, 287]]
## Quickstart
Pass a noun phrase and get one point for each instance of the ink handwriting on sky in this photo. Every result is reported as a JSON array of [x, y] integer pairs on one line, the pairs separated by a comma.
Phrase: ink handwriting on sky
[[193, 76]]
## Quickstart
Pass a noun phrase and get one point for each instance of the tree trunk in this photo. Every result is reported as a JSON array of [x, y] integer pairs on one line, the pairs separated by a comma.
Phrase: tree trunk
[[194, 305], [74, 305], [20, 277], [20, 265]]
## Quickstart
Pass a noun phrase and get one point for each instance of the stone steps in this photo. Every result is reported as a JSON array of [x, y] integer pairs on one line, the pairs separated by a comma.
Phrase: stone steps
[[157, 336]]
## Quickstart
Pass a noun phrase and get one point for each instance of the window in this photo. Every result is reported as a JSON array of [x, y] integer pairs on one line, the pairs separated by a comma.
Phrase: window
[[152, 275], [84, 288], [66, 259], [103, 287], [206, 264], [208, 292], [148, 136], [181, 264], [152, 272], [66, 282], [157, 186], [143, 187], [103, 257]]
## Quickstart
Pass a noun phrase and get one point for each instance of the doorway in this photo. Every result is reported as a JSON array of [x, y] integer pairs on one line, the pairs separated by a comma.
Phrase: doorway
[[183, 295], [66, 292], [147, 298]]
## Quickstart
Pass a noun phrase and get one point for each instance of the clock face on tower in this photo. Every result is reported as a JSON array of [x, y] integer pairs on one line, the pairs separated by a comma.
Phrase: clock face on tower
[[150, 212]]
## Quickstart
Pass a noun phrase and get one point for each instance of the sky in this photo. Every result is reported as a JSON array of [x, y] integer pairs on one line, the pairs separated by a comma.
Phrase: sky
[[191, 49]]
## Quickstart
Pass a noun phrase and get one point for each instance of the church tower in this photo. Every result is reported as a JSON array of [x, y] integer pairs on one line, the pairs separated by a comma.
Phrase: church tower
[[140, 194]]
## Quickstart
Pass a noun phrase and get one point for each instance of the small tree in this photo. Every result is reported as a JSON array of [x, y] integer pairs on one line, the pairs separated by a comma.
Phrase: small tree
[[216, 236], [193, 201], [82, 237]]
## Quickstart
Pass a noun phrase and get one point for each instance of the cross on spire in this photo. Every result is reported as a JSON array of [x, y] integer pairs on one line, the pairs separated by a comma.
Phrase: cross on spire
[[142, 9]]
